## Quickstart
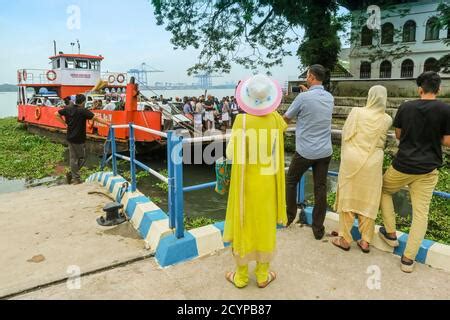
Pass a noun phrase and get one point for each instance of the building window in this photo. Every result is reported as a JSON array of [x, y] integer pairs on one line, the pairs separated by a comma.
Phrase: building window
[[385, 69], [407, 69], [366, 36], [387, 33], [431, 64], [409, 31], [432, 29], [365, 70]]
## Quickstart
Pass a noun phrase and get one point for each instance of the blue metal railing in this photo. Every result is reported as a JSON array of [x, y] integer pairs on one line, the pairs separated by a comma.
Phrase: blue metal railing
[[301, 189], [174, 179], [175, 170]]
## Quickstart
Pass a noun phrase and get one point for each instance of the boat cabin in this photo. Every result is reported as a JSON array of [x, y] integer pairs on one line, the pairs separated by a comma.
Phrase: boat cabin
[[69, 74]]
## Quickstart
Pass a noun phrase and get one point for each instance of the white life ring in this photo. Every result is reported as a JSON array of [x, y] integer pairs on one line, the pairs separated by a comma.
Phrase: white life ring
[[51, 75], [111, 79], [120, 78]]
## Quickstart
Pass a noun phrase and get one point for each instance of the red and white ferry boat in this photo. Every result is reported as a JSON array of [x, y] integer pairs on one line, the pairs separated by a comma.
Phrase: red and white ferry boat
[[72, 74]]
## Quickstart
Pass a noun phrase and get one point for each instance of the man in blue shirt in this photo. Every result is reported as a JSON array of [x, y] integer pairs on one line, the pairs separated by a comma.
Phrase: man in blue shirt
[[313, 109]]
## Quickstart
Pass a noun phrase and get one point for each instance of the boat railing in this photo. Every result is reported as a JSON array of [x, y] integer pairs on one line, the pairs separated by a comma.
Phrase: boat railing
[[115, 78], [176, 188], [55, 76], [37, 76]]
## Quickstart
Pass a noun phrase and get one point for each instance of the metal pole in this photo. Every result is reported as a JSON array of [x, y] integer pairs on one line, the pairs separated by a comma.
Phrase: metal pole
[[301, 190], [178, 186], [132, 158], [105, 151], [113, 150], [170, 171]]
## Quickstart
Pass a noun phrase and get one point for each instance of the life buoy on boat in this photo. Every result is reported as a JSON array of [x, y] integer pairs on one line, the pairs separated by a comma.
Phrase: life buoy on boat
[[37, 113], [111, 79], [120, 78], [51, 75]]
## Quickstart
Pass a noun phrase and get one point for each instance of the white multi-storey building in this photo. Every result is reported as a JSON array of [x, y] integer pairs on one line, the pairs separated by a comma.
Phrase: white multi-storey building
[[411, 24]]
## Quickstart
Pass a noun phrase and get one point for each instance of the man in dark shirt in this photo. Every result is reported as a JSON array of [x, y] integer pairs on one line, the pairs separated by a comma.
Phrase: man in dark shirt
[[422, 126], [75, 117]]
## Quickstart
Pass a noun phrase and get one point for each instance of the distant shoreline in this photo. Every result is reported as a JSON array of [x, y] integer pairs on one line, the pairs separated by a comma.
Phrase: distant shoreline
[[8, 88]]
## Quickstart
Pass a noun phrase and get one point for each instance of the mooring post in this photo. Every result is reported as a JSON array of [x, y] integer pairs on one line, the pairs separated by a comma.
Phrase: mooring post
[[113, 151], [132, 158], [178, 185], [171, 186]]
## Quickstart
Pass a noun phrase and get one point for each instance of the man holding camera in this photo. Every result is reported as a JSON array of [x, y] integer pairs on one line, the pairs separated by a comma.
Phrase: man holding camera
[[313, 109]]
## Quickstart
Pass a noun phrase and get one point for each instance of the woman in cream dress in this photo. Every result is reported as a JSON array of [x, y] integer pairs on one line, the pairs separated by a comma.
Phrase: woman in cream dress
[[361, 171]]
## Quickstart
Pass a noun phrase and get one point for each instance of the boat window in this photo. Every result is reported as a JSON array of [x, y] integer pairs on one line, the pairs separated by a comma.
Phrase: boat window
[[82, 64], [70, 64], [95, 65], [56, 63]]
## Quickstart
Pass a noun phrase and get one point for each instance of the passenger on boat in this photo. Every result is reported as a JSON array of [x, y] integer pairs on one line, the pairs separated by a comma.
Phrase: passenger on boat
[[198, 115], [226, 114], [97, 105], [187, 108], [234, 109], [209, 113], [68, 101], [110, 106], [46, 102]]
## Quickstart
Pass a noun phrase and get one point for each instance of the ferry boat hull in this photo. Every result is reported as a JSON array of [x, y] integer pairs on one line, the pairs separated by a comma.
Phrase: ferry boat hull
[[73, 74]]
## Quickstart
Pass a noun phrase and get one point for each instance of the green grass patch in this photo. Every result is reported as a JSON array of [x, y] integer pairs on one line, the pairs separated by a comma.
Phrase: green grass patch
[[26, 156], [197, 222]]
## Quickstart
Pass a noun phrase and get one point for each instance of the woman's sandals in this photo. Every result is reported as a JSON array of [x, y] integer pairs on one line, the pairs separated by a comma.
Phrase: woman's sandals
[[230, 278], [338, 243], [363, 249], [270, 278]]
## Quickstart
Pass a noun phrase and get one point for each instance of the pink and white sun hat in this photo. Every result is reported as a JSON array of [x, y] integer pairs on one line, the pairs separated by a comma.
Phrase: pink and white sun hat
[[259, 95]]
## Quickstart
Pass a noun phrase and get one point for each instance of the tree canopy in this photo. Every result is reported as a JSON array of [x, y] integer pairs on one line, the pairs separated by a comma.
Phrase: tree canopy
[[259, 33]]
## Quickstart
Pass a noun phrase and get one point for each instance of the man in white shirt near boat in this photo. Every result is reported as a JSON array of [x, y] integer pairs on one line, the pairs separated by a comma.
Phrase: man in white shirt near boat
[[110, 106]]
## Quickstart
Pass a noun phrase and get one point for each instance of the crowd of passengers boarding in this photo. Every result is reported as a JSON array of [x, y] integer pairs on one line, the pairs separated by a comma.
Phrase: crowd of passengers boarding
[[262, 196], [204, 112]]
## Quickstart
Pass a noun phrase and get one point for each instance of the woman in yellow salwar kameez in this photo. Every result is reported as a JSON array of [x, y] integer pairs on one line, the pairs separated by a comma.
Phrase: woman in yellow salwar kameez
[[256, 202]]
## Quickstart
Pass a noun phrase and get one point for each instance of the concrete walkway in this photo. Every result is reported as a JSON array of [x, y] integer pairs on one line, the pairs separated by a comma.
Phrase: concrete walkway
[[307, 269], [48, 234]]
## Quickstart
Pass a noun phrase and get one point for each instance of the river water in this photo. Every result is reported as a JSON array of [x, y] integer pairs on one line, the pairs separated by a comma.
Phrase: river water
[[198, 203], [8, 104]]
